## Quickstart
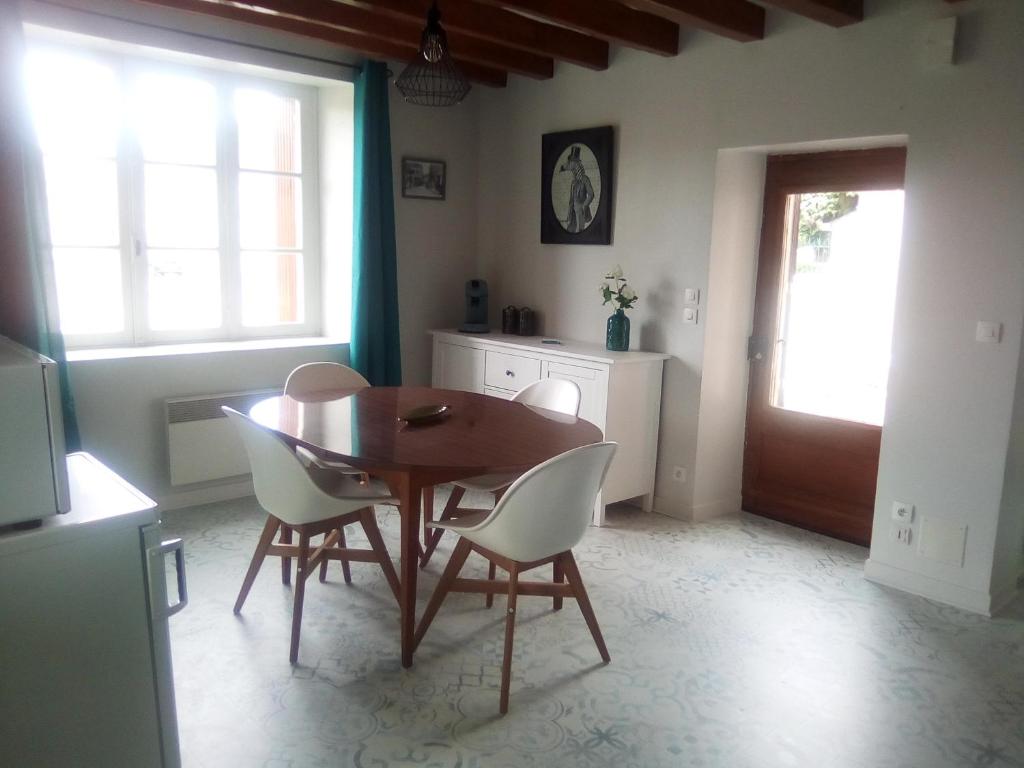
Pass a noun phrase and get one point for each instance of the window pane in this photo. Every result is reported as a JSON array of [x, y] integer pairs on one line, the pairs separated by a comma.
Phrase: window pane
[[271, 288], [834, 353], [82, 201], [271, 211], [176, 118], [269, 138], [181, 207], [76, 103], [89, 290], [184, 290]]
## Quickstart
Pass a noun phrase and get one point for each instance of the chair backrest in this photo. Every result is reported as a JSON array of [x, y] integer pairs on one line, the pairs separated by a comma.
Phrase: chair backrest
[[312, 378], [547, 510], [554, 394], [283, 487]]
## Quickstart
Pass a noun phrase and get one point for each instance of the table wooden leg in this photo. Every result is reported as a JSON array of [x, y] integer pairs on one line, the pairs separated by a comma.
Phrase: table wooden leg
[[410, 495]]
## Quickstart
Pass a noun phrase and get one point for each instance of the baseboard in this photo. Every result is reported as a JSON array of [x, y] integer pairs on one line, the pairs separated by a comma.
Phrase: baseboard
[[971, 600], [206, 495], [1002, 598], [674, 509], [718, 508]]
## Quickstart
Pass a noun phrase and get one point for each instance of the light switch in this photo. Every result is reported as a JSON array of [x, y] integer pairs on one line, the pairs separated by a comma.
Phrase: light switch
[[691, 295], [689, 315], [988, 331]]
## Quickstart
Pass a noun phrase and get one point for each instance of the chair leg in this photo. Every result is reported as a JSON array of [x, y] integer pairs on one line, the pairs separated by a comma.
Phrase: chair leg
[[346, 568], [428, 512], [340, 543], [300, 593], [492, 572], [558, 578], [369, 523], [286, 562], [451, 571], [266, 539], [510, 628], [576, 582], [449, 511]]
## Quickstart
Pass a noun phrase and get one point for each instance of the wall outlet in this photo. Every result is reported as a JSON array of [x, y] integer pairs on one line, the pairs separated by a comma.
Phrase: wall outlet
[[902, 513], [904, 534], [679, 474]]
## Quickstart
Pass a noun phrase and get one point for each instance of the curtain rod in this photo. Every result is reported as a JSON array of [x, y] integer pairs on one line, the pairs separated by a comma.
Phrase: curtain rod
[[211, 38]]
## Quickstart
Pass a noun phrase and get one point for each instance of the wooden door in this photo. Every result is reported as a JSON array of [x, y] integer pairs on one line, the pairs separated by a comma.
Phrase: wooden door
[[822, 328]]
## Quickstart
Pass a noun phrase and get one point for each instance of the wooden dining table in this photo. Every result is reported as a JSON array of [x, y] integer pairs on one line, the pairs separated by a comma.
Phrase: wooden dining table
[[479, 435]]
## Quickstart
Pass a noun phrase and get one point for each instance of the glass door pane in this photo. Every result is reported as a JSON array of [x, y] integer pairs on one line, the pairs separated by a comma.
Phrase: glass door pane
[[841, 254]]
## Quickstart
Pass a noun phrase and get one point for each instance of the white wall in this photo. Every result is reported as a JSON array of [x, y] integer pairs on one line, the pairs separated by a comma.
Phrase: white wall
[[1009, 554], [735, 236], [436, 239], [121, 410], [950, 399]]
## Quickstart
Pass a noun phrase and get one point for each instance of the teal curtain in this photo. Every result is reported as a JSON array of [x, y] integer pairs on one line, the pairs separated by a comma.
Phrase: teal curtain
[[28, 312], [374, 350]]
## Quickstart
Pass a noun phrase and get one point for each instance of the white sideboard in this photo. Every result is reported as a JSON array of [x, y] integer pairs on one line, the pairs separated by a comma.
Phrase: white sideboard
[[621, 393]]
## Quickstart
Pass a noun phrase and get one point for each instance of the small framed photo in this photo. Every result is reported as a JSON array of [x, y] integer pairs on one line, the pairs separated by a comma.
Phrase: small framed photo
[[423, 179]]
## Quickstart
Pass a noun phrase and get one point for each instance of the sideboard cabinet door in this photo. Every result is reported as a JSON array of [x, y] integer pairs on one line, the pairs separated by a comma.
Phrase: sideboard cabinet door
[[592, 382], [459, 367]]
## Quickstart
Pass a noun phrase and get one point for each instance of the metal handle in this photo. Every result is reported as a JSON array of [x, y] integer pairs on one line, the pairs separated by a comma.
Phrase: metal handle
[[177, 546], [509, 373]]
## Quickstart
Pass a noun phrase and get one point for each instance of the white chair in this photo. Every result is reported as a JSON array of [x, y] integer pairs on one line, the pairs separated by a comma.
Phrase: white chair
[[309, 502], [541, 517], [311, 381], [551, 394]]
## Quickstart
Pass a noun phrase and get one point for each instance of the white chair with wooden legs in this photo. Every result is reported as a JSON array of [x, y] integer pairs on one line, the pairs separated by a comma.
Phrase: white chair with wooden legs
[[556, 395], [308, 502], [311, 381], [538, 521]]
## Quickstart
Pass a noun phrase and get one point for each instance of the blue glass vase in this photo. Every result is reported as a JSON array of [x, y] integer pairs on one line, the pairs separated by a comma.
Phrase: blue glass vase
[[617, 339]]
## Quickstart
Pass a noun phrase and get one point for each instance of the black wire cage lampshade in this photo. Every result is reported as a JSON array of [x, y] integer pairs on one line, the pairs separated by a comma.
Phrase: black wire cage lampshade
[[433, 79]]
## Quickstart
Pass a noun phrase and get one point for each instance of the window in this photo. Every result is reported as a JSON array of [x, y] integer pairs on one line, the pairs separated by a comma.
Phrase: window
[[182, 201]]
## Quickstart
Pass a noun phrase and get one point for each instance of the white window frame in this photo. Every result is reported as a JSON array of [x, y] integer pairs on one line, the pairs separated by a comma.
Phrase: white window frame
[[130, 171]]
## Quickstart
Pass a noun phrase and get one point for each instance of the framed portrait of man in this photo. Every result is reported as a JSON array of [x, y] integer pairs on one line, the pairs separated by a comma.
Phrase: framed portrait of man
[[576, 186]]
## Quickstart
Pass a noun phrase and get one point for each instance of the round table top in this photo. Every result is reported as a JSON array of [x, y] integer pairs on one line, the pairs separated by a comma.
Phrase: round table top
[[481, 434]]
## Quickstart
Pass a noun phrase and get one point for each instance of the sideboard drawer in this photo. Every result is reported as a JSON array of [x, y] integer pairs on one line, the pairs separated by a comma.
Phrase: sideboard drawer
[[510, 371]]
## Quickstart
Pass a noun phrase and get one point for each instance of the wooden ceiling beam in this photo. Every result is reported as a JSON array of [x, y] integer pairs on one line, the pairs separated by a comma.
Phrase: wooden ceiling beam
[[606, 19], [736, 19], [363, 44], [835, 13], [405, 31], [502, 27]]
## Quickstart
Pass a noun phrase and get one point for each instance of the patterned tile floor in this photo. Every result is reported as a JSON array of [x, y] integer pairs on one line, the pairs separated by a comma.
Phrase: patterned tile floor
[[736, 643]]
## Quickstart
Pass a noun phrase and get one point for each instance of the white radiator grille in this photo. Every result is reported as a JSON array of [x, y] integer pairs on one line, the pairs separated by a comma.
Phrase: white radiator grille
[[201, 443]]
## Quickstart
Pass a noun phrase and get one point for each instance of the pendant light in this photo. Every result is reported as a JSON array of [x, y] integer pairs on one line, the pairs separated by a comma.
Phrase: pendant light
[[433, 79]]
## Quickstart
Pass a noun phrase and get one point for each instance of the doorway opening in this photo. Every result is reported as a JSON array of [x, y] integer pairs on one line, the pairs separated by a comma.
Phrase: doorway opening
[[819, 353]]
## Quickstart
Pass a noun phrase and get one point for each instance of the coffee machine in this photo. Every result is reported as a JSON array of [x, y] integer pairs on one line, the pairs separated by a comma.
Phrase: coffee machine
[[476, 308]]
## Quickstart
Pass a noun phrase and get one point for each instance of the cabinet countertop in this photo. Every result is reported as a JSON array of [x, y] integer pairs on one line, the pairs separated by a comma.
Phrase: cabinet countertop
[[580, 350], [101, 501]]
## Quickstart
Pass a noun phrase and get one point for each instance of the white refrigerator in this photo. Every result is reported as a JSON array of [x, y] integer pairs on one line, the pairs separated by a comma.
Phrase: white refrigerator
[[85, 659]]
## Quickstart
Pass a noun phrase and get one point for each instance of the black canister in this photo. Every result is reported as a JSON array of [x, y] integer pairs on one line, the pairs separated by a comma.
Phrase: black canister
[[525, 321], [510, 320]]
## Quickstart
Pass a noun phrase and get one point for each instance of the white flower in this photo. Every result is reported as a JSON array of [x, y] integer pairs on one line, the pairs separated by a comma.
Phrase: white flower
[[605, 287], [616, 273], [628, 293]]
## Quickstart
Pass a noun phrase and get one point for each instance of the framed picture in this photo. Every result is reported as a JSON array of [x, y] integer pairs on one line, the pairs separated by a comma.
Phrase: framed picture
[[576, 187], [423, 179]]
